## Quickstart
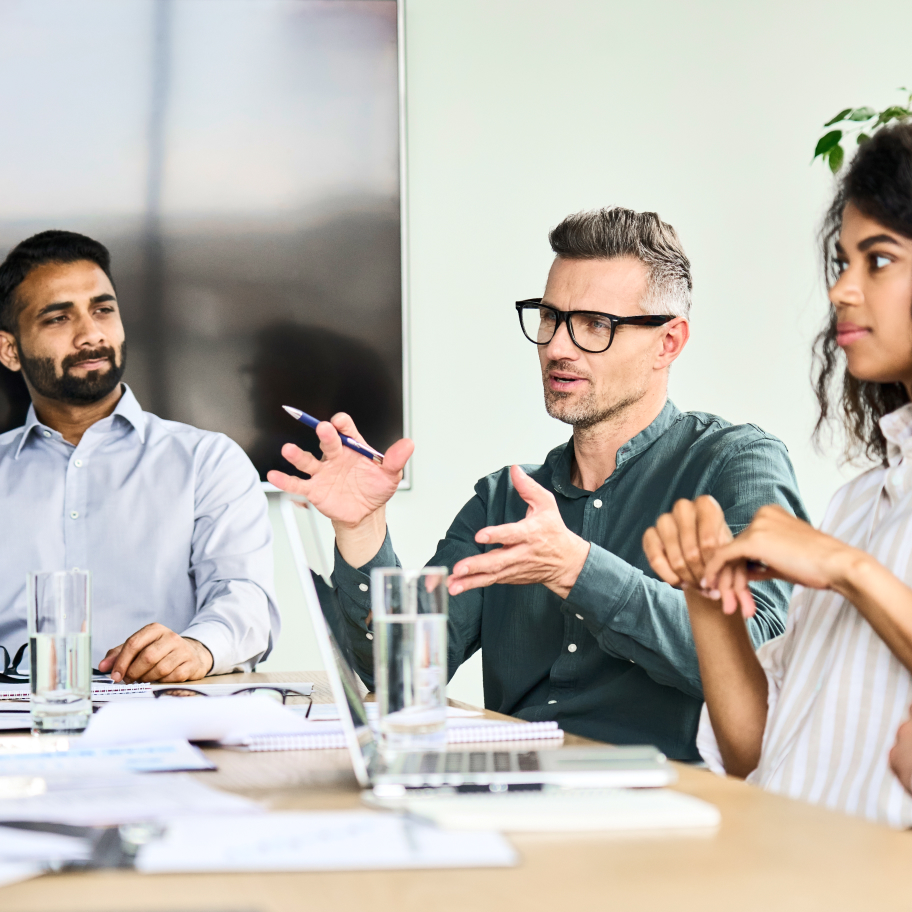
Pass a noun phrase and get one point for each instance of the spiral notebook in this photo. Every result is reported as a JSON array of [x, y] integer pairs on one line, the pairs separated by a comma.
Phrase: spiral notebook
[[469, 731]]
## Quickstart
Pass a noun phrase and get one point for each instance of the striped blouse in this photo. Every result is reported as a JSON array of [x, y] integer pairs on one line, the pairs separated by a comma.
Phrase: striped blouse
[[837, 694]]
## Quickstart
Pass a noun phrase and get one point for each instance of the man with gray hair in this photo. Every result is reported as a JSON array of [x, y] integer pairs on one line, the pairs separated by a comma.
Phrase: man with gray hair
[[548, 576]]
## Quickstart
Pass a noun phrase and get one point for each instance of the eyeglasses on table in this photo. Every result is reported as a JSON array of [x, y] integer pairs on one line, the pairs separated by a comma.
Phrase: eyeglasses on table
[[278, 694]]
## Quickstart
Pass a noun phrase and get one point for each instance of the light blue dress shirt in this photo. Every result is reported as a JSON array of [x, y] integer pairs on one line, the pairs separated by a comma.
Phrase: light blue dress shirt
[[170, 520]]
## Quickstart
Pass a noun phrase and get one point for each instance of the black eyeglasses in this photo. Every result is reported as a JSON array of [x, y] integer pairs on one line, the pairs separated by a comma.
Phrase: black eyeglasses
[[10, 673], [589, 330], [278, 694]]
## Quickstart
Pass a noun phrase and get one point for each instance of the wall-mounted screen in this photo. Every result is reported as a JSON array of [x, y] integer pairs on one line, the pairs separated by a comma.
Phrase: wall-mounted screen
[[241, 160]]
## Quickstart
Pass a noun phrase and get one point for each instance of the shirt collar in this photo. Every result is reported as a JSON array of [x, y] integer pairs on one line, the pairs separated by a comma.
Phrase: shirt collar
[[560, 459], [897, 428], [127, 408]]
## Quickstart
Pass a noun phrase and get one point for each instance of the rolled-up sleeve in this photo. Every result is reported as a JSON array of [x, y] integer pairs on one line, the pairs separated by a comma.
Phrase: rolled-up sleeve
[[231, 560]]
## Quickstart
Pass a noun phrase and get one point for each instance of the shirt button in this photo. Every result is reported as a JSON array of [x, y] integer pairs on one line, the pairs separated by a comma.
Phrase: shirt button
[[370, 636], [362, 587], [78, 463], [597, 504], [551, 701], [580, 616], [571, 647], [74, 515], [47, 433]]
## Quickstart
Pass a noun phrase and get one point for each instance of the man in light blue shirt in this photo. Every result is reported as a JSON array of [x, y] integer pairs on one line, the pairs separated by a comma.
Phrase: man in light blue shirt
[[169, 519]]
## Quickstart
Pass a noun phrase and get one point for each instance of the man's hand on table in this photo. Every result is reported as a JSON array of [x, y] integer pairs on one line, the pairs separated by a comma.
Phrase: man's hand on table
[[157, 654], [538, 549]]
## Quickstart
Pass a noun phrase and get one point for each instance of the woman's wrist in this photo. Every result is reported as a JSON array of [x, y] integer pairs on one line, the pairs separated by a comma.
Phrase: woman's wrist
[[851, 571]]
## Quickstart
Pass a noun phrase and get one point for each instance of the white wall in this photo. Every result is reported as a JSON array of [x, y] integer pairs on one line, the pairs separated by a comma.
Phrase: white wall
[[521, 111]]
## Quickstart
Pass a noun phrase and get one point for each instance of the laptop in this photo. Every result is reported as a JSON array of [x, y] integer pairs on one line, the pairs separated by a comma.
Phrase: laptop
[[480, 769]]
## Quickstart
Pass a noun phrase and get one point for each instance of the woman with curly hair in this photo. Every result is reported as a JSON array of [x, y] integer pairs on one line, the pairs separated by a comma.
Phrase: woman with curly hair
[[813, 713]]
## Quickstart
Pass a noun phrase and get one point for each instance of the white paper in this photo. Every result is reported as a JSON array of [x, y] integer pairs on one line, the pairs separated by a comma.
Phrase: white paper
[[230, 720], [328, 712], [101, 691], [11, 721], [73, 759], [28, 845], [14, 871], [126, 798], [320, 841]]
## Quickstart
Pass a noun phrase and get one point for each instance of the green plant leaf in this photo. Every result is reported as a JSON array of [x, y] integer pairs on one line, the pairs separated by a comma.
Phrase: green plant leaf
[[896, 112], [840, 116], [835, 158], [862, 114], [863, 138], [827, 141]]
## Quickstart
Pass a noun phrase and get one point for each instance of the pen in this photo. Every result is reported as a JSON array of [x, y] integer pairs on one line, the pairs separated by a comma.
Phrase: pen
[[312, 422]]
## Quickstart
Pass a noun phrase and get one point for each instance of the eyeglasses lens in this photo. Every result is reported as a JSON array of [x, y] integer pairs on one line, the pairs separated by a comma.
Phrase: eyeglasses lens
[[267, 692], [538, 324], [590, 331]]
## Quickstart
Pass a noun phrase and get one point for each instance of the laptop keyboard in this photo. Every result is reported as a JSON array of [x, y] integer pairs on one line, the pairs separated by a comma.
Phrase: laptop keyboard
[[471, 762]]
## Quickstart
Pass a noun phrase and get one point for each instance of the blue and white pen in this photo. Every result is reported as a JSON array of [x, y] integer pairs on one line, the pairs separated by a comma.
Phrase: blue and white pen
[[312, 422]]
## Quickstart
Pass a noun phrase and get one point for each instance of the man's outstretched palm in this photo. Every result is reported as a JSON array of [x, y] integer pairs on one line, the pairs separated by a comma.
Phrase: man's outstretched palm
[[344, 486]]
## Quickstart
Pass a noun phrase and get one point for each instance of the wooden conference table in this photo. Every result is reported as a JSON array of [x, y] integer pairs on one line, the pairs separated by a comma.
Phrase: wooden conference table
[[769, 854]]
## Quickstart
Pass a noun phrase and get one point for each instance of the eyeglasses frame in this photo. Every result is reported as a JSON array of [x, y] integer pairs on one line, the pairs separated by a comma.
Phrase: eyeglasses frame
[[563, 316], [284, 691]]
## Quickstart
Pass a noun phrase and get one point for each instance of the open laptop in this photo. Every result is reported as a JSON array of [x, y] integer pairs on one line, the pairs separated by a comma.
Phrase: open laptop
[[590, 767]]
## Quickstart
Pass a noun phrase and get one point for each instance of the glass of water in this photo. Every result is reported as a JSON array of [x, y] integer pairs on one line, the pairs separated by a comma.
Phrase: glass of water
[[410, 657], [60, 660]]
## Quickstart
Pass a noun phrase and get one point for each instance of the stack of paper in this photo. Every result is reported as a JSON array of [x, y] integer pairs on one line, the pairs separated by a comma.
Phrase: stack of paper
[[72, 757], [325, 841], [119, 799]]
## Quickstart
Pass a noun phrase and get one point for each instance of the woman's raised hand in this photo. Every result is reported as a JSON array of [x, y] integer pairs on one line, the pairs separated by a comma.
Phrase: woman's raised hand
[[681, 543], [344, 486], [776, 545]]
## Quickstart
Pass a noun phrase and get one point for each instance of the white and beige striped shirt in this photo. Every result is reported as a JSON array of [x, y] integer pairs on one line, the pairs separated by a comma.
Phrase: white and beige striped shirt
[[837, 694]]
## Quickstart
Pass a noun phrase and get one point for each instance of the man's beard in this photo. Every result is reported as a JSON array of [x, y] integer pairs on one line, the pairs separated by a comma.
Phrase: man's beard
[[586, 412], [42, 376]]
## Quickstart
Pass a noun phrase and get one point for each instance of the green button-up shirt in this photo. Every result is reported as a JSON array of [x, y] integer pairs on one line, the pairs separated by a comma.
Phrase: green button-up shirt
[[615, 660]]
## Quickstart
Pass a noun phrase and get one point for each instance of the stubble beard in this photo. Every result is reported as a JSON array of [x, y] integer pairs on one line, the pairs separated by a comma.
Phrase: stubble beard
[[586, 412], [42, 376]]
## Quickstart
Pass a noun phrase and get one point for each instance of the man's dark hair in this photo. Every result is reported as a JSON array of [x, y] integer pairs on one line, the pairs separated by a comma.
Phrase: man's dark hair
[[614, 232], [879, 184], [53, 246]]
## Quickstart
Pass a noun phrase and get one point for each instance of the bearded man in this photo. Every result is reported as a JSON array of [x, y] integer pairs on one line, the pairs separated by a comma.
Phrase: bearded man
[[549, 578], [171, 521]]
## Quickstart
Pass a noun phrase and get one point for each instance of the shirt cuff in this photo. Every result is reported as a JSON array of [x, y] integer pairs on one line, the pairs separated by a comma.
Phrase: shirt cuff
[[354, 582], [218, 641], [603, 587]]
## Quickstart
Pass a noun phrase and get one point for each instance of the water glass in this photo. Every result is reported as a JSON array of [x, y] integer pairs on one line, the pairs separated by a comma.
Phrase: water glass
[[410, 657], [60, 650]]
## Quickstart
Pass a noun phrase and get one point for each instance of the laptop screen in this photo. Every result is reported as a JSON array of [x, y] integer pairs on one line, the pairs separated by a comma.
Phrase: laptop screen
[[344, 685]]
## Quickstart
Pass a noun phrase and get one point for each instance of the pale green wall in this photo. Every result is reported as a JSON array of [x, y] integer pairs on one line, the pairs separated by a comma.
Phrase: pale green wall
[[521, 111]]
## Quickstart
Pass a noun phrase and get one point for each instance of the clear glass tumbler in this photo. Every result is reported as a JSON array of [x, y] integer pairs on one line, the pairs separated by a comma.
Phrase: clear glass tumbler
[[60, 650], [410, 657]]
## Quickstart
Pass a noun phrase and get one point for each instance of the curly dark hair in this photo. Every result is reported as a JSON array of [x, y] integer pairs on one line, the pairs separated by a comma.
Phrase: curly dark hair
[[879, 184]]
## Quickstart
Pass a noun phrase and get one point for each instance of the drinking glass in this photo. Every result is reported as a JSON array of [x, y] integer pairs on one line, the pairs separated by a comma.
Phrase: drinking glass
[[410, 657], [60, 650]]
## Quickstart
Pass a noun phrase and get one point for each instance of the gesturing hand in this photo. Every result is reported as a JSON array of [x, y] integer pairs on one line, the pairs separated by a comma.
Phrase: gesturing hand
[[538, 549], [155, 653], [344, 485]]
